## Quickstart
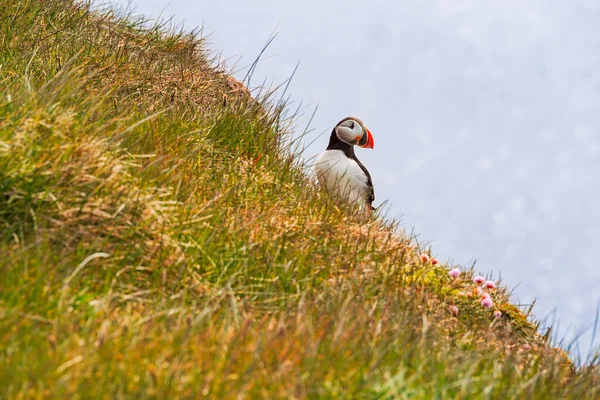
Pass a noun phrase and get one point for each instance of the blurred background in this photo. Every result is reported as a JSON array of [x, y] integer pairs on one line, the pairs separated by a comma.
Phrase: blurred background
[[486, 119]]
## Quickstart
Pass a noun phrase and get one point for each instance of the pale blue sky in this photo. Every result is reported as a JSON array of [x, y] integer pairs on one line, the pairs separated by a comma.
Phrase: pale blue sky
[[486, 118]]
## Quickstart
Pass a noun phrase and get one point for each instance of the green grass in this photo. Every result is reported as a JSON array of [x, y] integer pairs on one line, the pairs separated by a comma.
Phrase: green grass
[[160, 239]]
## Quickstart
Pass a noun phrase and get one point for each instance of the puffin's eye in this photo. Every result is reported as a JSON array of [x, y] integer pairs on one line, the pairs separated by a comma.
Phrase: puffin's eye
[[351, 124]]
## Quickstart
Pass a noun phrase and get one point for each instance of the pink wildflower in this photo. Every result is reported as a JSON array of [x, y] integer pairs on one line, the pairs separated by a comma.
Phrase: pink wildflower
[[454, 273], [485, 295], [497, 314], [490, 284], [487, 302], [453, 309], [478, 291], [479, 279], [434, 261], [526, 347], [424, 258]]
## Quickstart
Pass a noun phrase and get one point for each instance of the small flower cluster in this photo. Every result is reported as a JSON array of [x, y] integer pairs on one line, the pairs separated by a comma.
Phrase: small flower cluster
[[426, 259], [484, 297]]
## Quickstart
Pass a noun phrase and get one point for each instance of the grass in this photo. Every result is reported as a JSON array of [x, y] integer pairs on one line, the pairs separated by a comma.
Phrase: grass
[[160, 239]]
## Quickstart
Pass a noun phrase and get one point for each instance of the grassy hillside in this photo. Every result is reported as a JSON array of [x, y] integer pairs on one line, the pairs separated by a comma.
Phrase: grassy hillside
[[158, 239]]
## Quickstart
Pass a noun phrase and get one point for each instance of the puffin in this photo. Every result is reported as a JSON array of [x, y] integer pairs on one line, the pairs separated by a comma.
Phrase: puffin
[[339, 171]]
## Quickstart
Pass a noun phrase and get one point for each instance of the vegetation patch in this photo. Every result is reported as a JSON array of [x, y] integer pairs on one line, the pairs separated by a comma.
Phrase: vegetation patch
[[160, 239]]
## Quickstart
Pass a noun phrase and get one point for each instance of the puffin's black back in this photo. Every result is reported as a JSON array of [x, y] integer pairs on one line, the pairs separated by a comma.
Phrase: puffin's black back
[[336, 144]]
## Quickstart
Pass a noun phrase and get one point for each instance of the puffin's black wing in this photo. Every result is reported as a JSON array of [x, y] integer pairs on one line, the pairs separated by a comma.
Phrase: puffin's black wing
[[371, 194]]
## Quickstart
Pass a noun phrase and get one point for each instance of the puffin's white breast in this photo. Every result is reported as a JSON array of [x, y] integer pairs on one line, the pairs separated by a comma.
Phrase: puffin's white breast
[[342, 175]]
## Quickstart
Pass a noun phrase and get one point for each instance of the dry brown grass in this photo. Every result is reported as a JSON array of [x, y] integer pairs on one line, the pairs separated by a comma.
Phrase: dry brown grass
[[160, 239]]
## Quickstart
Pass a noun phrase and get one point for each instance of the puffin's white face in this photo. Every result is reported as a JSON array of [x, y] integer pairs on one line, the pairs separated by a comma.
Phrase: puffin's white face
[[354, 132]]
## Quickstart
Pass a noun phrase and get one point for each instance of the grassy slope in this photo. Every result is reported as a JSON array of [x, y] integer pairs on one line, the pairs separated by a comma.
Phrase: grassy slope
[[158, 240]]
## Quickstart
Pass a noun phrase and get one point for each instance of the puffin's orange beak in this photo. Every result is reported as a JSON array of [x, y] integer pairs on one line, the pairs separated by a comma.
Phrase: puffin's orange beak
[[370, 142]]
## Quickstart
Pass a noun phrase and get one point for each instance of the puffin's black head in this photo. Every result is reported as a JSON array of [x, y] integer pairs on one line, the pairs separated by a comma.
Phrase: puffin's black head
[[352, 131]]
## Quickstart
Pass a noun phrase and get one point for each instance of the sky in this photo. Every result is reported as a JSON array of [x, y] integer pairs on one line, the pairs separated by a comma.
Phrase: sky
[[485, 114]]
